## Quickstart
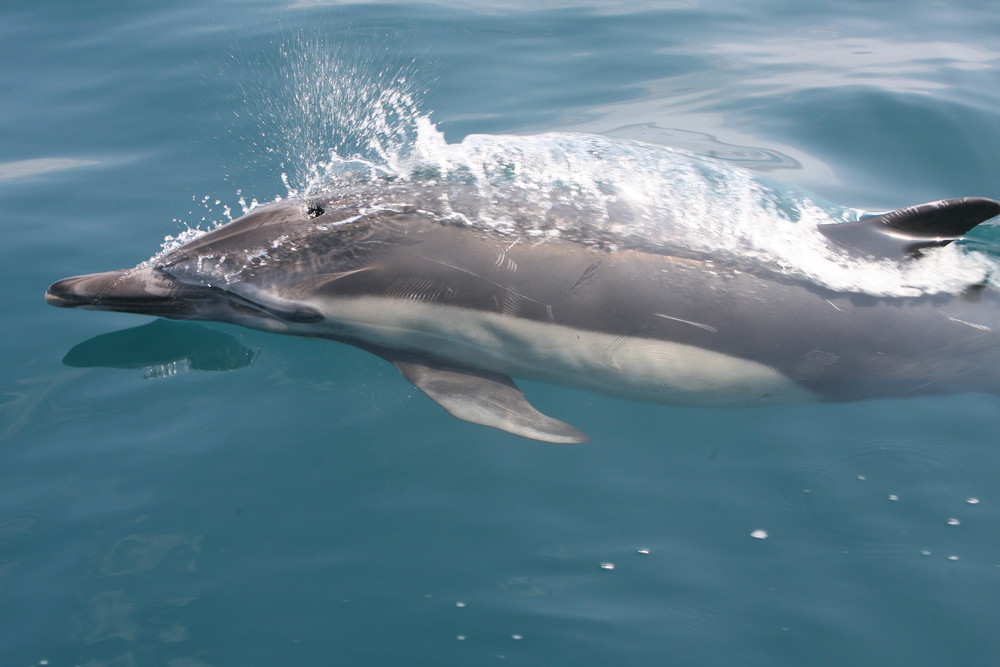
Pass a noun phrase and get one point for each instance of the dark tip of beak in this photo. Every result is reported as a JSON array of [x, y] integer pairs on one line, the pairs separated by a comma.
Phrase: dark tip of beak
[[112, 290], [73, 292]]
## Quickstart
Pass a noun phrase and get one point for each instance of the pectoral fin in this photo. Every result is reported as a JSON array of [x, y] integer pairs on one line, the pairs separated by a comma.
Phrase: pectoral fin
[[486, 398]]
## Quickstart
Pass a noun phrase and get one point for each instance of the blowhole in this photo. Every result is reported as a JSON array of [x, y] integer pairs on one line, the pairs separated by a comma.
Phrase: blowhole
[[314, 211]]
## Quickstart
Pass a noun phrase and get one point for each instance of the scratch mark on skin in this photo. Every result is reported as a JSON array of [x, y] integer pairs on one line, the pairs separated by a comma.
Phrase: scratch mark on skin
[[980, 327], [511, 305], [416, 289], [813, 365], [612, 350], [834, 305], [330, 277], [548, 309], [588, 273], [505, 262], [920, 386], [694, 324], [476, 275]]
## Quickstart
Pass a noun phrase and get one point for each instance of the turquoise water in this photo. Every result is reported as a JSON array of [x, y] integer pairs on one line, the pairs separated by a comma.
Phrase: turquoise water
[[311, 507]]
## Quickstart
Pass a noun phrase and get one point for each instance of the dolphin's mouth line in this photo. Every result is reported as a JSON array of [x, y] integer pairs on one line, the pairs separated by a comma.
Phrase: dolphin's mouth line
[[149, 306], [170, 298]]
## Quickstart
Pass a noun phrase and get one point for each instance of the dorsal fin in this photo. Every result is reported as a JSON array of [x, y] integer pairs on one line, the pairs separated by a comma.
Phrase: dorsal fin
[[903, 233]]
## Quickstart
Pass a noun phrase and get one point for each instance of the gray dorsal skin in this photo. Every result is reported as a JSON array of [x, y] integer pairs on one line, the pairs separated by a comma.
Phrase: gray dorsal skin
[[460, 310], [907, 231]]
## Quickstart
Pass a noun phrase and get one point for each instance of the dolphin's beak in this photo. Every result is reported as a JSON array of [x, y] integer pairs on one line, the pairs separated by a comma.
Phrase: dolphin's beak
[[139, 290], [81, 291]]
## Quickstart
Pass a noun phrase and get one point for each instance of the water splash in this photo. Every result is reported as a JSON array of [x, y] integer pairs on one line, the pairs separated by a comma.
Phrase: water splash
[[620, 193], [346, 110], [350, 119]]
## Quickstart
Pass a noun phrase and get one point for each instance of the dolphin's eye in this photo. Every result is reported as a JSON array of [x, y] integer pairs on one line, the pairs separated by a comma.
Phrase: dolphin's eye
[[314, 211]]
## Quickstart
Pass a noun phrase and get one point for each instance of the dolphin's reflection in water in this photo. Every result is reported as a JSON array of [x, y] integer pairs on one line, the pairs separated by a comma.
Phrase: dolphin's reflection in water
[[163, 348]]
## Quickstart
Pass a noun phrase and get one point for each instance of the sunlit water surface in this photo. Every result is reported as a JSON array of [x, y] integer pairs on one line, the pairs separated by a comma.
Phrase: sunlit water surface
[[207, 495]]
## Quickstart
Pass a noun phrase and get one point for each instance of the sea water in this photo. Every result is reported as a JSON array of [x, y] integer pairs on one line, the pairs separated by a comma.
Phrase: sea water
[[309, 506]]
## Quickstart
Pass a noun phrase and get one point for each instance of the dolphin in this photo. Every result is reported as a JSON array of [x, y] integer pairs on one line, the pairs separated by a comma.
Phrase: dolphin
[[461, 309]]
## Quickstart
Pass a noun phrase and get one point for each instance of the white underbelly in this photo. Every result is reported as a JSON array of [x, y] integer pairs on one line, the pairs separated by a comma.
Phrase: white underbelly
[[631, 367]]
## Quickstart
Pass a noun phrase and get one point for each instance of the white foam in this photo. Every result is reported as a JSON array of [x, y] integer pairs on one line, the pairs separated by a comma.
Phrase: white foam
[[624, 193], [345, 122]]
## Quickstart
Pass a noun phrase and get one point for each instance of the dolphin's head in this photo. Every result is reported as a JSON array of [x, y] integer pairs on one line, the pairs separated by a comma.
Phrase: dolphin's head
[[150, 291], [257, 271]]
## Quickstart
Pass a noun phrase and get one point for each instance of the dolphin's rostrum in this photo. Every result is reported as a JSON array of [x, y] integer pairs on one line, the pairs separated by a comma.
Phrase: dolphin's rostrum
[[460, 309]]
